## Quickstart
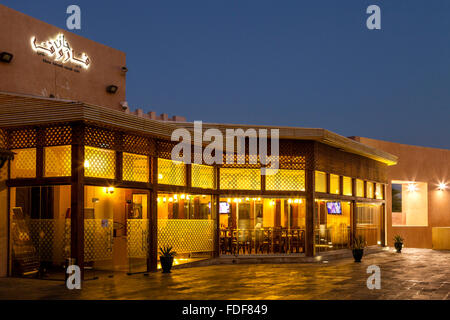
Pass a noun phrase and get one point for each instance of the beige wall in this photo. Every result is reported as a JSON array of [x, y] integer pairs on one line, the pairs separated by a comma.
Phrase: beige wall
[[421, 164], [28, 74]]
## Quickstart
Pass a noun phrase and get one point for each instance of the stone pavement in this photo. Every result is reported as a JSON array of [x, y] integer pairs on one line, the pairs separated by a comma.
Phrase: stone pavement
[[413, 274]]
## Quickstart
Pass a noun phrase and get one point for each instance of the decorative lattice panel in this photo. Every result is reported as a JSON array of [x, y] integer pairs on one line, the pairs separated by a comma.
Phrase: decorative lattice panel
[[99, 163], [286, 180], [186, 236], [57, 136], [164, 149], [98, 239], [24, 163], [203, 176], [135, 167], [137, 238], [100, 138], [3, 139], [51, 238], [137, 144], [57, 161], [25, 138], [171, 172], [240, 179]]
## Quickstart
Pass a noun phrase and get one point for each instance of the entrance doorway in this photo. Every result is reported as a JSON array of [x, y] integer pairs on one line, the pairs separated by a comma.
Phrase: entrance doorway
[[116, 230]]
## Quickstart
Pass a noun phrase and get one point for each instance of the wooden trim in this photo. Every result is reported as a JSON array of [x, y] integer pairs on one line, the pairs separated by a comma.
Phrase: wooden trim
[[310, 210], [153, 237]]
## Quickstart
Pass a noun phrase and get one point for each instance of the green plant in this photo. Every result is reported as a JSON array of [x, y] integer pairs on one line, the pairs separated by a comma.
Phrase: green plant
[[167, 252], [359, 243], [398, 238]]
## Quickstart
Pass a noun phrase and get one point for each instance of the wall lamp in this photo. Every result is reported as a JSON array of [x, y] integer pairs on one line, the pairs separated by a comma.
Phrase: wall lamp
[[6, 57], [442, 186], [412, 187], [111, 89]]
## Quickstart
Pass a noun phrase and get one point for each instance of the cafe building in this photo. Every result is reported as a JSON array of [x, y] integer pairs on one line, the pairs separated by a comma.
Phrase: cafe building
[[85, 178]]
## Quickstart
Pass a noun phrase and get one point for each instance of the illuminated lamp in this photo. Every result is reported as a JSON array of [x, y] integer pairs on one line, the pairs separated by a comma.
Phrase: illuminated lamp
[[183, 196], [112, 89], [6, 57], [86, 163], [290, 201], [442, 186], [171, 199], [412, 187], [160, 176], [111, 190]]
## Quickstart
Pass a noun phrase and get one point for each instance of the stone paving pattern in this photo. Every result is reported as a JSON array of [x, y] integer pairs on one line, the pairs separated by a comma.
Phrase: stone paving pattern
[[413, 274]]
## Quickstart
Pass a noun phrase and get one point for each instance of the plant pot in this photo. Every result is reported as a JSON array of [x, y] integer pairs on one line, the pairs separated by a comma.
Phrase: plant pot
[[358, 254], [166, 263], [398, 246]]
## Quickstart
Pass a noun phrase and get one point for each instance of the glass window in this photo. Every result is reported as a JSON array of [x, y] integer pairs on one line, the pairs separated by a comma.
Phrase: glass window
[[285, 180], [409, 203], [57, 161], [321, 181], [348, 186], [203, 176], [370, 190], [135, 167], [99, 163], [240, 179], [379, 194], [368, 222], [185, 223], [359, 188], [332, 229], [334, 184], [24, 163], [40, 230], [171, 172]]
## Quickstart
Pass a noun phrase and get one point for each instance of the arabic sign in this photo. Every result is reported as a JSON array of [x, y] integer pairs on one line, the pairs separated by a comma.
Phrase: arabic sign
[[61, 51]]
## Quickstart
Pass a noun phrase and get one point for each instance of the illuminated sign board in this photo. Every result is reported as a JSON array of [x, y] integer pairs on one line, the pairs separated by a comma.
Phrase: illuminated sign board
[[59, 49]]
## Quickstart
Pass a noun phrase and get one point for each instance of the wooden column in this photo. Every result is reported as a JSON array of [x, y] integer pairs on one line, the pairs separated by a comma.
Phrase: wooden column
[[353, 212], [216, 202], [309, 219], [77, 198], [153, 237], [40, 137]]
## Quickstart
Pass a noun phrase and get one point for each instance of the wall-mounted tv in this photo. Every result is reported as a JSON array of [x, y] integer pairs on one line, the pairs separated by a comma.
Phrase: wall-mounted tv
[[224, 207], [334, 207]]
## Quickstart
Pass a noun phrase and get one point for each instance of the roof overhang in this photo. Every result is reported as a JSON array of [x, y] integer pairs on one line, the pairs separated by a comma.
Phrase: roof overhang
[[21, 110]]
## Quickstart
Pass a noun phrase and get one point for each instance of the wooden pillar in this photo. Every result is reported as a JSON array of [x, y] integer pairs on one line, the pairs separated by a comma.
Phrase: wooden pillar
[[309, 219], [353, 213], [77, 198], [383, 225], [215, 200], [153, 238]]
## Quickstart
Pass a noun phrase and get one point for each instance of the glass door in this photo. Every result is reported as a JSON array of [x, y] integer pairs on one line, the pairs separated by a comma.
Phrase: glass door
[[137, 231], [99, 207]]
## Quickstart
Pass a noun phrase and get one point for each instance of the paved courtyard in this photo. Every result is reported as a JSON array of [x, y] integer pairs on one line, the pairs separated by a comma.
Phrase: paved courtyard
[[413, 274]]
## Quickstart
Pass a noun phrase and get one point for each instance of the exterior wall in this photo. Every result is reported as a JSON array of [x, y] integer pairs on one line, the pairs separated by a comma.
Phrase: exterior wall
[[45, 79], [421, 164]]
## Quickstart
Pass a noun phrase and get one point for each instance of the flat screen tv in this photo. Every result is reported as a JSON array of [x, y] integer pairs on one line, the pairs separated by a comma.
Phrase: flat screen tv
[[334, 207], [224, 207]]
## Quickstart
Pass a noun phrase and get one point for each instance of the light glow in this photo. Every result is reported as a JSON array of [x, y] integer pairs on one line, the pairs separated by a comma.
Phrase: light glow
[[412, 187], [60, 50], [442, 186]]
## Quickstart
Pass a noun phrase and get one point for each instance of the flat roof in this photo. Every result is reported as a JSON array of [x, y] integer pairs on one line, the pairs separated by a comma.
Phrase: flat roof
[[18, 110]]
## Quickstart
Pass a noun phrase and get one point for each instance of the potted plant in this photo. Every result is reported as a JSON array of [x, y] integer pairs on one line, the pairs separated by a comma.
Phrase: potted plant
[[398, 243], [166, 258], [358, 248]]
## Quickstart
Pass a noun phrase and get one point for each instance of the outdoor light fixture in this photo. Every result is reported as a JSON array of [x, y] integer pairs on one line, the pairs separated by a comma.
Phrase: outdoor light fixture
[[442, 186], [412, 187], [112, 89], [95, 200], [6, 57]]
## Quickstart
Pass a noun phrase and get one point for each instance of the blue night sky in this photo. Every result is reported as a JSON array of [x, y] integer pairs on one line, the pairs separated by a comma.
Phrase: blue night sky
[[292, 63]]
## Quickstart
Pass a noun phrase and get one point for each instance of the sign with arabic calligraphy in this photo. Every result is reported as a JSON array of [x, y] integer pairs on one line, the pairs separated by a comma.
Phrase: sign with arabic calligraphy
[[61, 51]]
